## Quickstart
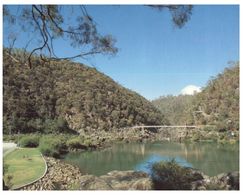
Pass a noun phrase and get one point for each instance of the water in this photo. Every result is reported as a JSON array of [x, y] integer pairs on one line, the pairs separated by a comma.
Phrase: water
[[210, 158]]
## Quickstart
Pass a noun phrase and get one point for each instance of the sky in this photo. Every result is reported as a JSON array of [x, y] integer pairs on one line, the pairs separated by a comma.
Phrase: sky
[[155, 58]]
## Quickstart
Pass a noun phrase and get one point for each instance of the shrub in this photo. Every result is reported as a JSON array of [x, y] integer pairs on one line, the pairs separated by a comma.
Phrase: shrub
[[35, 125], [50, 126], [221, 127], [53, 146], [170, 176], [88, 142], [75, 143], [30, 141], [62, 125], [209, 128], [11, 138], [56, 126], [196, 138]]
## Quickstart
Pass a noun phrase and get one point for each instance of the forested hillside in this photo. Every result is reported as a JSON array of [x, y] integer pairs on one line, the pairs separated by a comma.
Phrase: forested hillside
[[65, 96], [217, 104], [176, 108]]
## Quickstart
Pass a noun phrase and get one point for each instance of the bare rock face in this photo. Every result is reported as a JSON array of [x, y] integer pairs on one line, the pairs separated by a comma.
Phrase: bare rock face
[[117, 180]]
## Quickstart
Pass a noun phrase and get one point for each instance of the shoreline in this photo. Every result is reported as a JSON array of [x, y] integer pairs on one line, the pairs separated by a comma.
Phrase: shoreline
[[64, 176], [67, 181]]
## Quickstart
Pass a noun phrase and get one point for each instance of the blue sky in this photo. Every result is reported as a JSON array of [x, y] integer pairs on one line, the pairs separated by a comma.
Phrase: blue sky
[[155, 58]]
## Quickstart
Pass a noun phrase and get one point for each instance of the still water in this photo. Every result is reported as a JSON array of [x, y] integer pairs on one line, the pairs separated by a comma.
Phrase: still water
[[210, 158]]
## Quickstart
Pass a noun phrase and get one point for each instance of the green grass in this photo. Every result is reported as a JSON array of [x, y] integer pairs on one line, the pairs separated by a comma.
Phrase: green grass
[[24, 165]]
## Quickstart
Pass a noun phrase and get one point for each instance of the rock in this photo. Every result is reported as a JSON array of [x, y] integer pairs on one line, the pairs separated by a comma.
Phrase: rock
[[229, 180], [91, 182], [142, 184], [223, 181], [117, 180], [196, 175], [127, 180], [234, 180], [201, 188], [4, 186], [198, 185]]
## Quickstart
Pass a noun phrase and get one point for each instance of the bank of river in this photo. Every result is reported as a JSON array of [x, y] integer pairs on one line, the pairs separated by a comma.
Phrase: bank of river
[[210, 158]]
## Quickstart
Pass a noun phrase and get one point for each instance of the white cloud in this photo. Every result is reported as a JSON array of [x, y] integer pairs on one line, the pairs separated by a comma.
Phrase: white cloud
[[190, 90]]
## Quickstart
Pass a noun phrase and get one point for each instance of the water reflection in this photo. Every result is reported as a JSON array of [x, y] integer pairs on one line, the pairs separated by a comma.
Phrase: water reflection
[[210, 158]]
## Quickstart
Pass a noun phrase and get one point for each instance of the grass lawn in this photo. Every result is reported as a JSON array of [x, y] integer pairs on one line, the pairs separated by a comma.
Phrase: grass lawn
[[25, 165]]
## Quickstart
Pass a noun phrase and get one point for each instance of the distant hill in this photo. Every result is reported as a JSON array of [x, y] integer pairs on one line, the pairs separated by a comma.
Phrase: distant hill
[[61, 96], [176, 108], [217, 104]]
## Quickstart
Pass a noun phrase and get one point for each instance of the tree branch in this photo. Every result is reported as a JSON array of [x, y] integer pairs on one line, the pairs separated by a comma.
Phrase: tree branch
[[77, 56]]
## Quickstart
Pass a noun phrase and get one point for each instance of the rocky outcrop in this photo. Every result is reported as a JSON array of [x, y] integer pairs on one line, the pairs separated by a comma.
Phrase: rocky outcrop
[[117, 180], [59, 176], [223, 181], [134, 180], [226, 181]]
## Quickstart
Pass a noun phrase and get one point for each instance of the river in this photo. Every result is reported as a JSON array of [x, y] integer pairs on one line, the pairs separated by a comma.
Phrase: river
[[210, 158]]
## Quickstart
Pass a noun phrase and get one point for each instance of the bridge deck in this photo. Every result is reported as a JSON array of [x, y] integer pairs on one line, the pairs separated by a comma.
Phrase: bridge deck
[[166, 126]]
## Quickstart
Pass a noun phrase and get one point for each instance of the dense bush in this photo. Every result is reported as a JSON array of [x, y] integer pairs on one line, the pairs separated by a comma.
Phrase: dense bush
[[51, 98], [170, 176], [53, 145], [88, 142], [221, 127], [31, 141], [196, 136], [59, 125], [76, 143], [176, 108], [11, 138], [217, 104], [209, 128]]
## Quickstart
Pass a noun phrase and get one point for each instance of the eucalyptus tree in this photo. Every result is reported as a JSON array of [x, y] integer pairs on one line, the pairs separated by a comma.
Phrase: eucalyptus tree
[[51, 22]]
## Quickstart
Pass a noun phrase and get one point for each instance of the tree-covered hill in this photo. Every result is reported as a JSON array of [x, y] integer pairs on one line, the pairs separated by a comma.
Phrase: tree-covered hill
[[217, 104], [61, 96], [175, 108]]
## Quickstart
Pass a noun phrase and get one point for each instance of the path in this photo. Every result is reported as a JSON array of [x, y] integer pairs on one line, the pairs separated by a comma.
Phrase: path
[[8, 147]]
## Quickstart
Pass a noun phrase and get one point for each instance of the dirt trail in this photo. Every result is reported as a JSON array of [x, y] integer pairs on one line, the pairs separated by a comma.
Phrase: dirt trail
[[8, 147]]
